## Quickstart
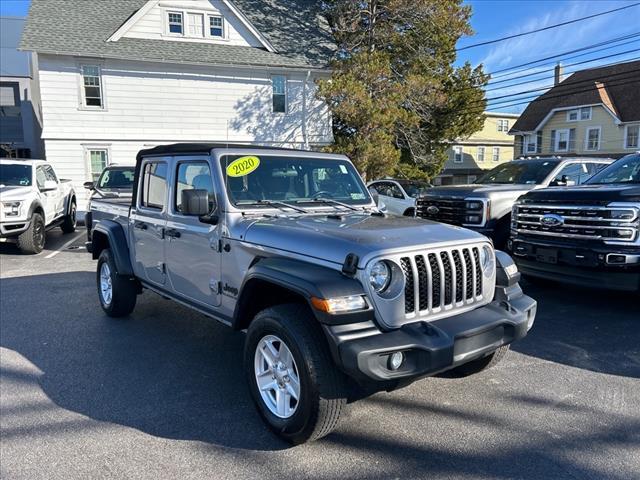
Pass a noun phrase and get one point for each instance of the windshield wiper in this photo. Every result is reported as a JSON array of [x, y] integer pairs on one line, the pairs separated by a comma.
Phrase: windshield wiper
[[329, 201], [275, 203]]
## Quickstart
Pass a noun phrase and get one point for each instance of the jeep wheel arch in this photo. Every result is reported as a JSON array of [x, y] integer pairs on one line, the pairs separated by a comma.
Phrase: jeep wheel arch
[[109, 234]]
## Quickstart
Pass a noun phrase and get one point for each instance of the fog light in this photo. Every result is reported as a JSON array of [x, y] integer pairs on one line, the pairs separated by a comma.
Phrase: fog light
[[473, 219], [395, 360]]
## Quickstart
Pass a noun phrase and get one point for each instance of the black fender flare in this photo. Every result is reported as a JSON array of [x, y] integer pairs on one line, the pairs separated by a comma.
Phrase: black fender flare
[[304, 279], [34, 205], [116, 241], [67, 201]]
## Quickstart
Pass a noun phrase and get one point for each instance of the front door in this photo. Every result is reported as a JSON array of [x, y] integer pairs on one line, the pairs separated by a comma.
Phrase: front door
[[57, 195], [48, 197], [192, 247], [148, 223]]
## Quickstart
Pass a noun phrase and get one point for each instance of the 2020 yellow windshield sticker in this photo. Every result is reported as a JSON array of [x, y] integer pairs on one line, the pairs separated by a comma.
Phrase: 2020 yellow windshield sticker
[[243, 166]]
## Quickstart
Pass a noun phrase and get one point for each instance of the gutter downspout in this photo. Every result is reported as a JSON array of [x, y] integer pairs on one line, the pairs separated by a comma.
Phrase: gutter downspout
[[305, 137]]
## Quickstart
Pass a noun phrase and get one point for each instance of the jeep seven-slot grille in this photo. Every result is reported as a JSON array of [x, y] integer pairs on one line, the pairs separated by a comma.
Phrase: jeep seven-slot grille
[[445, 279], [577, 221], [445, 210]]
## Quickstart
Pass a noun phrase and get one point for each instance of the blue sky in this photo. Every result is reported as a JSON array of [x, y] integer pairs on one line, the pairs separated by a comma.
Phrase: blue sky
[[497, 18]]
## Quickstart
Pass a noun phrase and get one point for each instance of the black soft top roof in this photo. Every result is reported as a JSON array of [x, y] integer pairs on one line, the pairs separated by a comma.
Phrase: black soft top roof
[[193, 148]]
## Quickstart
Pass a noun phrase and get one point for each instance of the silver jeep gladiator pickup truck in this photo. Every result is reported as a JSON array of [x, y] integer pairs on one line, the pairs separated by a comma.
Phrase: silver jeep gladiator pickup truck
[[337, 299]]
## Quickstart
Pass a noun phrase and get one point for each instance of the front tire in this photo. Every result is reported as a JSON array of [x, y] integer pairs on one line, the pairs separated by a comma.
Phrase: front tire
[[286, 355], [70, 221], [117, 293], [481, 364], [32, 240]]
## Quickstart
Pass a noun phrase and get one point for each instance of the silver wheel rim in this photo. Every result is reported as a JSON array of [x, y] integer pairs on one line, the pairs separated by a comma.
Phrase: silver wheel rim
[[277, 376], [106, 289]]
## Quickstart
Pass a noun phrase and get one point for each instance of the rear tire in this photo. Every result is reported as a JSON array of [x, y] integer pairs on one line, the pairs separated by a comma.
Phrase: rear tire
[[481, 364], [32, 240], [70, 221], [320, 386], [117, 293]]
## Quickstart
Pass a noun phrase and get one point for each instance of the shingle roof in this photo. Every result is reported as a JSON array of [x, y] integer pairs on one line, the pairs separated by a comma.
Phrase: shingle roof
[[616, 86], [295, 28]]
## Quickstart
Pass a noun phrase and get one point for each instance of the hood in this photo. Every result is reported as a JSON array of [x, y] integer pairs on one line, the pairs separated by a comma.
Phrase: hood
[[595, 194], [17, 192], [480, 191], [333, 238]]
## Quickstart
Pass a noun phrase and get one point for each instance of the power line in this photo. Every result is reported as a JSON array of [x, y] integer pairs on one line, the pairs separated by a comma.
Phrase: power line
[[502, 39]]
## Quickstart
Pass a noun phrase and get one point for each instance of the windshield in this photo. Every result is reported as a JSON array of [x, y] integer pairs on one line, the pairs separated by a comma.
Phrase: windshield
[[625, 170], [251, 180], [12, 175], [415, 189], [116, 179], [531, 172]]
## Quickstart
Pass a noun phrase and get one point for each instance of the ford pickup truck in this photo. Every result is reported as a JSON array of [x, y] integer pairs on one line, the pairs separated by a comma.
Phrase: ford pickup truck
[[335, 297], [587, 235], [485, 206], [34, 200]]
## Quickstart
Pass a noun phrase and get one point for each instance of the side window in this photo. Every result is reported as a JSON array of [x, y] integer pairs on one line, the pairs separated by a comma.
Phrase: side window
[[593, 168], [384, 188], [193, 176], [574, 172], [49, 173], [396, 192], [40, 177], [154, 185]]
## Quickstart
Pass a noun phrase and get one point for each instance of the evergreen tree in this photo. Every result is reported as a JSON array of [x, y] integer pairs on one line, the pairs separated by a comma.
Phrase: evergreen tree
[[396, 98]]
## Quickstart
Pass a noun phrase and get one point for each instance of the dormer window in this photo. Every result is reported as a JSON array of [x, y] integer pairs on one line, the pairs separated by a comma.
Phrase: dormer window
[[216, 26], [176, 25], [196, 25]]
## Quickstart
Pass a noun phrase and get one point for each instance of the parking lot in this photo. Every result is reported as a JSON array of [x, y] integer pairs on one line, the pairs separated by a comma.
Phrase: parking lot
[[162, 394]]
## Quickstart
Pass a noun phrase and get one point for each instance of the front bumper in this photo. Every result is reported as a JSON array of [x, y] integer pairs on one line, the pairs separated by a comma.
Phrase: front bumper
[[578, 264], [13, 228], [431, 347]]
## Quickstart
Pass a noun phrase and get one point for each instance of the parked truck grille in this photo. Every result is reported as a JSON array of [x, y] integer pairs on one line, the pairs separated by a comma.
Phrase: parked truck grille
[[441, 210], [437, 281], [576, 221]]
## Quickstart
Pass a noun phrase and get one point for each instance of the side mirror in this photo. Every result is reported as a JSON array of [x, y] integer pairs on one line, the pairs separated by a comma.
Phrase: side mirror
[[49, 185], [197, 203], [374, 194], [89, 185]]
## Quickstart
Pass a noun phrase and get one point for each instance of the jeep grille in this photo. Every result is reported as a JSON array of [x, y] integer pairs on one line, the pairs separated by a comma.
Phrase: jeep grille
[[619, 224], [441, 280]]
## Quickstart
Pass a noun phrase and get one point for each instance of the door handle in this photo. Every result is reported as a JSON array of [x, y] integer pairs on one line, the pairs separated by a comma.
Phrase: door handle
[[173, 233], [140, 225]]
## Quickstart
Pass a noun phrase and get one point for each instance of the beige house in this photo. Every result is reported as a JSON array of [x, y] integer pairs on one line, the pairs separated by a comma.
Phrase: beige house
[[470, 157], [593, 113]]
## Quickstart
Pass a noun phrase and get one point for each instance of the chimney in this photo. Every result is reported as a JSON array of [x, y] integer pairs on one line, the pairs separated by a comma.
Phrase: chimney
[[557, 77]]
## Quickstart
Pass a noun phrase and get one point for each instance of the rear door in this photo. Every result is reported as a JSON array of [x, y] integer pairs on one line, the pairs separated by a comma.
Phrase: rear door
[[48, 197], [192, 247], [148, 222]]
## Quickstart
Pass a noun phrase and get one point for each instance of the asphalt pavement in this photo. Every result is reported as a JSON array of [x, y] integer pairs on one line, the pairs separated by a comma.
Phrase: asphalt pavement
[[162, 395]]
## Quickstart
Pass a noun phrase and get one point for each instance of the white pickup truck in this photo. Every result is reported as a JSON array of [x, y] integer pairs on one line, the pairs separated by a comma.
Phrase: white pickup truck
[[34, 200]]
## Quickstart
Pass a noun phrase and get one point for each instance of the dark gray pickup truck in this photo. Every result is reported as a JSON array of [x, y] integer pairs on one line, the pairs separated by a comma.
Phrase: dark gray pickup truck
[[485, 206], [337, 299]]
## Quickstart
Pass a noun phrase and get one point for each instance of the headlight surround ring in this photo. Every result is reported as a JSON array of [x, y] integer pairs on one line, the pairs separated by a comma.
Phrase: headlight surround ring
[[380, 276], [487, 261]]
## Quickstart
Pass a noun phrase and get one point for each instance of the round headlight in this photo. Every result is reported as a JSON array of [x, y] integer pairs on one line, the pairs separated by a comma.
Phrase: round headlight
[[380, 276], [487, 261]]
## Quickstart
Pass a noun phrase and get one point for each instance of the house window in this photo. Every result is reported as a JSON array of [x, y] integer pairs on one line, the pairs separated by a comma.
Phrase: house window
[[585, 113], [92, 86], [216, 27], [196, 24], [279, 83], [457, 154], [592, 138], [98, 161], [631, 134], [562, 141], [503, 125], [496, 154], [175, 23], [480, 155], [572, 116], [530, 145]]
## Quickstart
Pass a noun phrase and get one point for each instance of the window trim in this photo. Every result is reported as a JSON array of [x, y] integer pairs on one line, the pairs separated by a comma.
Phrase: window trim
[[223, 27], [590, 109], [458, 150], [503, 125], [526, 143], [169, 23], [494, 151], [188, 24], [478, 154], [557, 139], [87, 157], [586, 138], [82, 93], [286, 94], [626, 136]]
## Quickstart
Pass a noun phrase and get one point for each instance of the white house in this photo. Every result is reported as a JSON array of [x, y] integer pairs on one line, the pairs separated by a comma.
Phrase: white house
[[117, 76]]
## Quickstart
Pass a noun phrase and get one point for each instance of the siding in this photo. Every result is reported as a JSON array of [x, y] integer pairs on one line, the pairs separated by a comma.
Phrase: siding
[[153, 24]]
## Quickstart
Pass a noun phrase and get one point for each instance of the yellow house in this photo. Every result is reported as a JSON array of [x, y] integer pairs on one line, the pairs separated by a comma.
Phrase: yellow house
[[486, 148], [593, 113]]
